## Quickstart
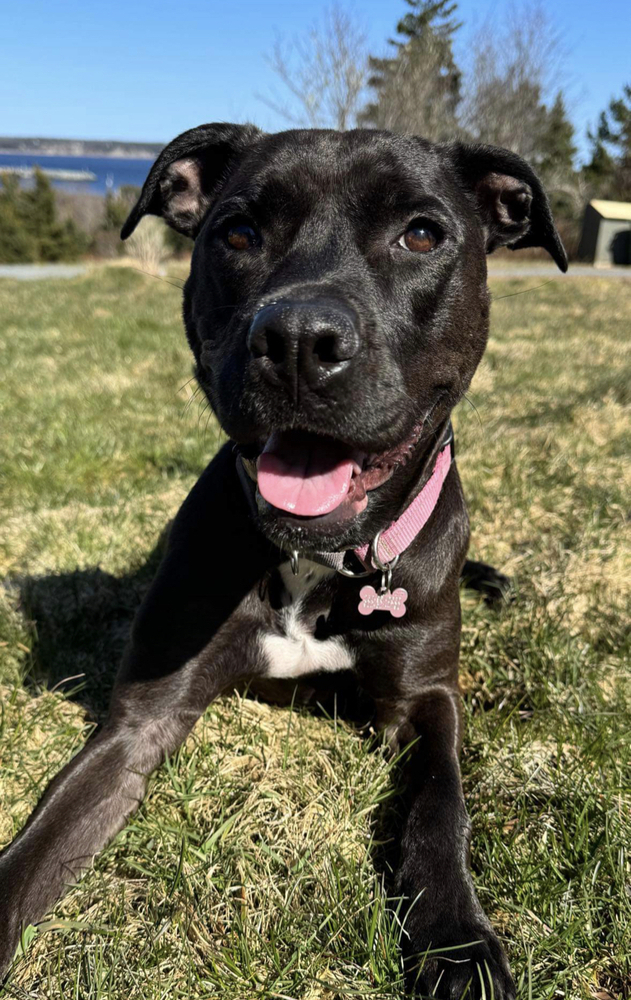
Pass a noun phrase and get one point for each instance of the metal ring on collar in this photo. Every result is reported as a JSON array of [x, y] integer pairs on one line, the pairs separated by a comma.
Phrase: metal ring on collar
[[386, 581], [349, 572], [374, 556], [376, 564], [294, 561]]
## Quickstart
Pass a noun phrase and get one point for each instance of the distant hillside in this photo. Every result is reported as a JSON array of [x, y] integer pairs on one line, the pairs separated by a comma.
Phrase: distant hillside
[[81, 147]]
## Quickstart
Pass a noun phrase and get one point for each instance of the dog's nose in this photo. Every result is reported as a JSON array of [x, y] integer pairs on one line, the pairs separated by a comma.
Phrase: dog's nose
[[316, 340]]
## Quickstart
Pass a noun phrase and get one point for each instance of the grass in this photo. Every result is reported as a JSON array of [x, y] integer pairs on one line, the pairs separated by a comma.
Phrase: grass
[[255, 868]]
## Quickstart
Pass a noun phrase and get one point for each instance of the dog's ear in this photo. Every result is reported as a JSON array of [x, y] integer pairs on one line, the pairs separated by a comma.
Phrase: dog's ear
[[510, 199], [187, 174]]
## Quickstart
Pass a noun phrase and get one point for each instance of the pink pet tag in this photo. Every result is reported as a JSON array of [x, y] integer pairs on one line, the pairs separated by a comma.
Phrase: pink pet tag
[[394, 601]]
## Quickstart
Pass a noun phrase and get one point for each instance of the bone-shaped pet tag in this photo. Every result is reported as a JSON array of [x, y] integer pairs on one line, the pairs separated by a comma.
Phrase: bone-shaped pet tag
[[394, 601]]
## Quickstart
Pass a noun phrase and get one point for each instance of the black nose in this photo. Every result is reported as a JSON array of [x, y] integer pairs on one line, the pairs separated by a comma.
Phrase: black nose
[[315, 340]]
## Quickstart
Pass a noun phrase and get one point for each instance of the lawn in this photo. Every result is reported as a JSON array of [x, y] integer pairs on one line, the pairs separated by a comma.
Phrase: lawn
[[256, 867]]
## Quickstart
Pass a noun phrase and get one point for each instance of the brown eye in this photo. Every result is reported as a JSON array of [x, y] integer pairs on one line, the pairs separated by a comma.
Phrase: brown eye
[[419, 239], [242, 237]]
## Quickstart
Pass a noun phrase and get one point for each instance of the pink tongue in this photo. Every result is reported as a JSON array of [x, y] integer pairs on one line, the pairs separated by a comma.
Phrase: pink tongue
[[304, 476]]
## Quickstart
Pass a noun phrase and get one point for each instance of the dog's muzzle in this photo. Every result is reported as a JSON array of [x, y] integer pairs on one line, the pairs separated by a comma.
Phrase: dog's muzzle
[[314, 341]]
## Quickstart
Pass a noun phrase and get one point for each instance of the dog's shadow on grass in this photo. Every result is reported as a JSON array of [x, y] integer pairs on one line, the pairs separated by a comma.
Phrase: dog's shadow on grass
[[80, 624]]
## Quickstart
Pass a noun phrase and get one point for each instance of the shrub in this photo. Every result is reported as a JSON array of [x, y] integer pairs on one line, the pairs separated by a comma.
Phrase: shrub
[[118, 207], [147, 244], [178, 244]]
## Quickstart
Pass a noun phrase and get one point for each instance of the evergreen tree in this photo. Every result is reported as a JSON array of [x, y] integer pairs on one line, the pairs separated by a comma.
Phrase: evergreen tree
[[599, 172], [16, 244], [39, 209], [118, 206], [557, 143], [609, 171], [618, 123], [418, 88], [555, 163], [29, 227]]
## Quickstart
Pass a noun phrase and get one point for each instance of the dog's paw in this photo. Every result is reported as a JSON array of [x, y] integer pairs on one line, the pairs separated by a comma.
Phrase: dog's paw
[[464, 963]]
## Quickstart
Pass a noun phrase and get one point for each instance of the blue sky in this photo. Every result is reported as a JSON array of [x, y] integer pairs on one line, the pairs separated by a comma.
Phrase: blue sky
[[147, 69]]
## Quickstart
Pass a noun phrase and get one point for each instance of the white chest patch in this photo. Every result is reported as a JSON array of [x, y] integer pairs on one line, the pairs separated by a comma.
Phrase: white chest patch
[[297, 651]]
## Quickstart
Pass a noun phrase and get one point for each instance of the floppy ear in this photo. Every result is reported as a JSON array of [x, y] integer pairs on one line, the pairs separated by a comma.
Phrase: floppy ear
[[510, 199], [188, 173]]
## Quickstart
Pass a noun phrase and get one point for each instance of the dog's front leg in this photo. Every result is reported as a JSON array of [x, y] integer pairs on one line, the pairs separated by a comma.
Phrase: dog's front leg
[[449, 945], [82, 809], [195, 635], [92, 797]]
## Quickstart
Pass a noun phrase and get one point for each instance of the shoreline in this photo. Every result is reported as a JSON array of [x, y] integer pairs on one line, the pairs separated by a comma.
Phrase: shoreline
[[79, 148]]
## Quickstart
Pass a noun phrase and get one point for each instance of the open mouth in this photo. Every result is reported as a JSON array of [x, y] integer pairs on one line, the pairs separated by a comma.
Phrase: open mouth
[[309, 475]]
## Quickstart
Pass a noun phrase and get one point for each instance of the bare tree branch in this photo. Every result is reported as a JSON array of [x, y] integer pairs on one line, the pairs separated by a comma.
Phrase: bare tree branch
[[512, 71], [324, 71]]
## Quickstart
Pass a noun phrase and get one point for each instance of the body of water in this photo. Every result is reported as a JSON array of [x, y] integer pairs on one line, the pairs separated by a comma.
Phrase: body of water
[[111, 172]]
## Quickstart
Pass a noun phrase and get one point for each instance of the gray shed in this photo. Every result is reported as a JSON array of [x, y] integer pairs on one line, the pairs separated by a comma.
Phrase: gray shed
[[606, 233]]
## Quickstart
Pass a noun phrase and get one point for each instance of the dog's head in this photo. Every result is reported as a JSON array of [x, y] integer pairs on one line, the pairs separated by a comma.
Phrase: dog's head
[[337, 304]]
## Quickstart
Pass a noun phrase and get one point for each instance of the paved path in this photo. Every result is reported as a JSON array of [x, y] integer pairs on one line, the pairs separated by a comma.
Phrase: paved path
[[35, 272], [551, 271]]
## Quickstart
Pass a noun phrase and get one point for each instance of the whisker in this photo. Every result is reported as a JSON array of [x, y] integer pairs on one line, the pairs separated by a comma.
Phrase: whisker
[[474, 408], [151, 274], [205, 406], [229, 305], [188, 382], [208, 419], [522, 291], [189, 401]]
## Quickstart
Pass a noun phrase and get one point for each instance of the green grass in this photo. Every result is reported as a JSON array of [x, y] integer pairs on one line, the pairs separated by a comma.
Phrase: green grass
[[255, 867]]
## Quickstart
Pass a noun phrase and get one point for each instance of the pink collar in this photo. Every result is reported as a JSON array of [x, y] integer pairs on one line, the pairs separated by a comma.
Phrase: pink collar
[[386, 547], [399, 536]]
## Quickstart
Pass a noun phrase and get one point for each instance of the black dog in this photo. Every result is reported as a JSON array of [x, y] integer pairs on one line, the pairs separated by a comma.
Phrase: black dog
[[337, 309]]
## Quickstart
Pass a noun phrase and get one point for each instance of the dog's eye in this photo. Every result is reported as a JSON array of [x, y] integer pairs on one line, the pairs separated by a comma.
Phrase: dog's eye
[[420, 237], [242, 237]]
